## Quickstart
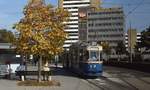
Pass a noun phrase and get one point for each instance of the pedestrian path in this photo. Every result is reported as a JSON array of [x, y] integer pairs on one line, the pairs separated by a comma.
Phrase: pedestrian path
[[68, 81]]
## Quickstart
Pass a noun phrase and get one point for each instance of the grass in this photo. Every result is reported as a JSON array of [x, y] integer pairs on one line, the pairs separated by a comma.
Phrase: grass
[[36, 83]]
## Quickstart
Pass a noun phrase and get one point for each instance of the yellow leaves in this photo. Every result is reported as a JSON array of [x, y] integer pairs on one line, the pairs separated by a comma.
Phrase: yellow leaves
[[41, 31], [34, 49], [31, 16]]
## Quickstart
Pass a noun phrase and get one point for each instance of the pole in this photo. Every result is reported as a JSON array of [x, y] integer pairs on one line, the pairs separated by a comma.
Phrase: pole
[[130, 44], [99, 53], [39, 68]]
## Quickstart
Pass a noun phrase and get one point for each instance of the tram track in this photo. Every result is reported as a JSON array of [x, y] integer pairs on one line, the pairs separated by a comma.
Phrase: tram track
[[143, 80], [132, 86], [107, 84], [121, 79], [96, 84], [122, 85]]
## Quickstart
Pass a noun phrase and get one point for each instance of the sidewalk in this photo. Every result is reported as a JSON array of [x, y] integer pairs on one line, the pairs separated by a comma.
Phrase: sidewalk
[[68, 82]]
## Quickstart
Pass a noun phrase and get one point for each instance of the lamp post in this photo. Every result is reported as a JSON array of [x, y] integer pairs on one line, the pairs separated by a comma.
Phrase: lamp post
[[130, 44]]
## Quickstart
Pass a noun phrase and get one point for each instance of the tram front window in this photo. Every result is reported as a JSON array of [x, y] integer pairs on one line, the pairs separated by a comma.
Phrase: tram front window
[[93, 55]]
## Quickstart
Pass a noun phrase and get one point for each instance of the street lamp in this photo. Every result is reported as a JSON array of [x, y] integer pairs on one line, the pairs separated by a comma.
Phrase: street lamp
[[130, 44]]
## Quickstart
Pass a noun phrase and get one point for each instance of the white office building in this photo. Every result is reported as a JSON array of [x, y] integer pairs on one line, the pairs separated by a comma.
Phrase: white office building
[[106, 25], [72, 26]]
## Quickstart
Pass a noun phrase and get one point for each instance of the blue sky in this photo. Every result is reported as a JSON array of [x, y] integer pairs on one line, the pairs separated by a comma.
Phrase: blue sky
[[11, 11]]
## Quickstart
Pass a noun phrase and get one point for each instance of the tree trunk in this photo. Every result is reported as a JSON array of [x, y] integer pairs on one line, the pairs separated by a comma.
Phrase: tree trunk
[[9, 76], [25, 63], [118, 57], [39, 69]]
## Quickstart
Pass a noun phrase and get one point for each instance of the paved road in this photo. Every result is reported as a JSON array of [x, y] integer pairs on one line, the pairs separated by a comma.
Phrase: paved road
[[122, 79], [68, 81], [112, 79]]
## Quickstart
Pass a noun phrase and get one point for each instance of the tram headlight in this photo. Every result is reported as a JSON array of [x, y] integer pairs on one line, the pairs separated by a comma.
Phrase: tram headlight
[[90, 66], [94, 66]]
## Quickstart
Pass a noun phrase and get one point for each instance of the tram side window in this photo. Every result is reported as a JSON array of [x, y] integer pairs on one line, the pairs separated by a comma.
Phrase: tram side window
[[94, 55], [86, 55], [81, 55]]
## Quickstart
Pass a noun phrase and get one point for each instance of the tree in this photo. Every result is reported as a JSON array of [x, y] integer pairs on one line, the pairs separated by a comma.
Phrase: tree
[[106, 48], [137, 51], [120, 49], [145, 39], [41, 31], [6, 36]]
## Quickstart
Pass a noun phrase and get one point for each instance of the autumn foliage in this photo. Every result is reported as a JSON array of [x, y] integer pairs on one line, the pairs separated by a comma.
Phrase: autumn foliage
[[41, 30]]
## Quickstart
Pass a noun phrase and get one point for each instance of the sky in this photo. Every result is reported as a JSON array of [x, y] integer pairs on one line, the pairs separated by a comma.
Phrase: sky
[[137, 12]]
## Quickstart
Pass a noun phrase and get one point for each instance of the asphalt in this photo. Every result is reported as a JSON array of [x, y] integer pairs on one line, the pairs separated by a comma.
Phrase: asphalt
[[68, 81], [113, 79]]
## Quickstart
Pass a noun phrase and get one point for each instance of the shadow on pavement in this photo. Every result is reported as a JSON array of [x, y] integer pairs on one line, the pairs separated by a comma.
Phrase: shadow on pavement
[[59, 71], [56, 71]]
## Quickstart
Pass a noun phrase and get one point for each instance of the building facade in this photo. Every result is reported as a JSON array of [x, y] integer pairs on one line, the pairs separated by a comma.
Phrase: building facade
[[131, 38], [72, 26], [132, 35], [102, 25]]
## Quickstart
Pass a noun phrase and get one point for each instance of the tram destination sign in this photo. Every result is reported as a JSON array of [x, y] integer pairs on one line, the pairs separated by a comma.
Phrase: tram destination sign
[[95, 48]]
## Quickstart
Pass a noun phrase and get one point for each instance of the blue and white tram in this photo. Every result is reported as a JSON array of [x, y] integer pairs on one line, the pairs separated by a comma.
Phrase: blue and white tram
[[85, 59]]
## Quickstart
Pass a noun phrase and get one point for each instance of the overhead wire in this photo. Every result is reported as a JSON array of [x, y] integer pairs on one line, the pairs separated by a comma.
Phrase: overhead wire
[[125, 4], [133, 10], [138, 5]]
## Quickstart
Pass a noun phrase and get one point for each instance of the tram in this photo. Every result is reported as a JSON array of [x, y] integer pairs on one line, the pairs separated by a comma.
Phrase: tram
[[84, 59]]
